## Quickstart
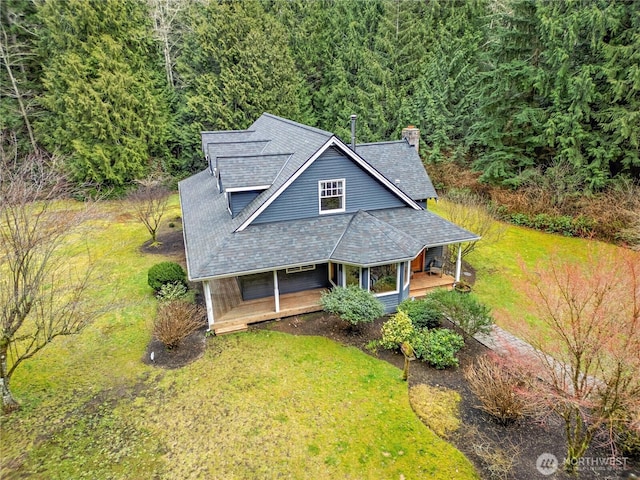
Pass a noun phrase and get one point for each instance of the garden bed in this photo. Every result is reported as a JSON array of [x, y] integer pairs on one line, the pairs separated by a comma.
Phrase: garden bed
[[485, 442]]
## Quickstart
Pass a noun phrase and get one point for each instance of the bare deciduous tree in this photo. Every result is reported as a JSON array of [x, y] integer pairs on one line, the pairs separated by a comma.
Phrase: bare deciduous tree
[[150, 203], [590, 368], [470, 212], [41, 296], [165, 14]]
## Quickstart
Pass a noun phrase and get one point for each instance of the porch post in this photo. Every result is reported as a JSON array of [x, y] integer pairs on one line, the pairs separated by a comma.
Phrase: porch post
[[209, 302], [459, 263], [276, 290]]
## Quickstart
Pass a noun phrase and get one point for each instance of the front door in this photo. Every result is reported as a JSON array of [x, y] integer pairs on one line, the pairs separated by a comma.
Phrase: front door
[[417, 264]]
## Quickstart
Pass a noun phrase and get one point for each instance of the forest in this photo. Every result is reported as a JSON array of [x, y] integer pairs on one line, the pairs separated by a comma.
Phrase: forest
[[532, 104]]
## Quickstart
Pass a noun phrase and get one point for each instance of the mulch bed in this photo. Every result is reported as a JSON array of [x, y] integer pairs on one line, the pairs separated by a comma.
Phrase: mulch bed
[[478, 436]]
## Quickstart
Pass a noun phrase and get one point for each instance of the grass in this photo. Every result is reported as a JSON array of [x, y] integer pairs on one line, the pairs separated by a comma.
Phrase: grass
[[438, 407], [499, 276], [256, 405]]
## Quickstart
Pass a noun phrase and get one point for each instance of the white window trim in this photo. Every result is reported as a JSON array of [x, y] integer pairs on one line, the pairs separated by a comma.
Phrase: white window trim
[[384, 294], [344, 196], [406, 266]]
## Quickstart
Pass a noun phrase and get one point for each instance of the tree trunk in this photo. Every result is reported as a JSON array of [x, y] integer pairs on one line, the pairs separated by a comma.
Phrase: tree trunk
[[9, 403]]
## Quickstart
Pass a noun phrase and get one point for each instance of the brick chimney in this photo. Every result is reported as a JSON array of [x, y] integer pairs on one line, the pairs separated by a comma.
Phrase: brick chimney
[[412, 135]]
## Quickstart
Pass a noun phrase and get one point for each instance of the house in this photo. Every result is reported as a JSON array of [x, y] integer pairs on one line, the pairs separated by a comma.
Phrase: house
[[284, 211]]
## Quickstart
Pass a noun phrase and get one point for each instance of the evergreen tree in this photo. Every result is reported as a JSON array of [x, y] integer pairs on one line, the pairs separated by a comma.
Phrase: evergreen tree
[[509, 130], [445, 94], [236, 65], [107, 106], [592, 53]]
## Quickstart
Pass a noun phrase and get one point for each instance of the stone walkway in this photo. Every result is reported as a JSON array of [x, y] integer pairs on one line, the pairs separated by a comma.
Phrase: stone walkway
[[503, 342]]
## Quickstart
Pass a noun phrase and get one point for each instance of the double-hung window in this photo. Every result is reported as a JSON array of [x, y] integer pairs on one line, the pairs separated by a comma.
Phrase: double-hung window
[[332, 195]]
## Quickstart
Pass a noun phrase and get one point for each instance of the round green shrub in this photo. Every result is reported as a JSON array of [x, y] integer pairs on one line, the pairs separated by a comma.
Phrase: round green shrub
[[437, 347], [423, 313], [166, 272], [352, 304], [396, 330]]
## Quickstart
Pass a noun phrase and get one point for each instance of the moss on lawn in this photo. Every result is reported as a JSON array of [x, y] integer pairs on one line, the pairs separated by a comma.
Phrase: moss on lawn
[[256, 405]]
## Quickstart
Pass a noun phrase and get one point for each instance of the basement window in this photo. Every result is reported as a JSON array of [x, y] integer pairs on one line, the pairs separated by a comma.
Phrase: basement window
[[301, 268]]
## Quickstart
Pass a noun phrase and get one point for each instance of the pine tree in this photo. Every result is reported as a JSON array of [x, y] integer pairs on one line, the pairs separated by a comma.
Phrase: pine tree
[[444, 102], [106, 102]]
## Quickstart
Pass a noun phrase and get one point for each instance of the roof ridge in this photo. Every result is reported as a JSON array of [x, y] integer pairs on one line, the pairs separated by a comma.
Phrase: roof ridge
[[300, 125], [229, 142], [388, 225], [335, 247], [246, 130], [380, 143], [256, 155]]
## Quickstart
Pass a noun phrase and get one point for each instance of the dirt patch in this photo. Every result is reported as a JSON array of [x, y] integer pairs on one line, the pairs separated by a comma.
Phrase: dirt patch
[[485, 442], [189, 350], [170, 241]]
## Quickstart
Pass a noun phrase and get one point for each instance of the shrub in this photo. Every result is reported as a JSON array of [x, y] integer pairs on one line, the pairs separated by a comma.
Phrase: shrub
[[396, 330], [352, 304], [166, 272], [424, 313], [437, 347], [465, 310], [171, 291], [626, 430], [176, 320], [498, 387]]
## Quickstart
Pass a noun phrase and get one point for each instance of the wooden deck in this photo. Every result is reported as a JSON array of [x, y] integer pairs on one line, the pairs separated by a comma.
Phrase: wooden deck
[[232, 314], [237, 314], [422, 283]]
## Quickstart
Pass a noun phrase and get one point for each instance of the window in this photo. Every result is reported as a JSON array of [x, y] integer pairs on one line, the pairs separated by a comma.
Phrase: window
[[352, 275], [384, 278], [333, 273], [301, 268], [331, 193]]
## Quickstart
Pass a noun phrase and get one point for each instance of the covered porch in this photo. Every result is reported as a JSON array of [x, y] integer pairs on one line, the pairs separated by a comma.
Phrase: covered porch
[[232, 313]]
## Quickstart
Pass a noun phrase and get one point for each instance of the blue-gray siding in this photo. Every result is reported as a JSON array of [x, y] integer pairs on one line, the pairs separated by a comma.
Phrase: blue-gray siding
[[300, 200], [390, 302], [239, 200], [433, 253], [260, 285]]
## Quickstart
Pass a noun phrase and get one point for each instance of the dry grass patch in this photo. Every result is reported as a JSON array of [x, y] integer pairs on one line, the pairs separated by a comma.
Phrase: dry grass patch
[[437, 407]]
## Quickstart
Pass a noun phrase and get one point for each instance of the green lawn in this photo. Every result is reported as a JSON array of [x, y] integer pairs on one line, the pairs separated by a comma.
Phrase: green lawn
[[499, 273], [256, 405]]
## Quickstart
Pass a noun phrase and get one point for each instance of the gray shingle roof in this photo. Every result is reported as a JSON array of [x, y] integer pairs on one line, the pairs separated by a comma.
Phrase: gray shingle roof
[[250, 170], [401, 164], [367, 240], [363, 238], [215, 248]]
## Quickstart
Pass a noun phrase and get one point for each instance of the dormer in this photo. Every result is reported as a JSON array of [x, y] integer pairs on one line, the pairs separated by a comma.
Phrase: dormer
[[243, 177]]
